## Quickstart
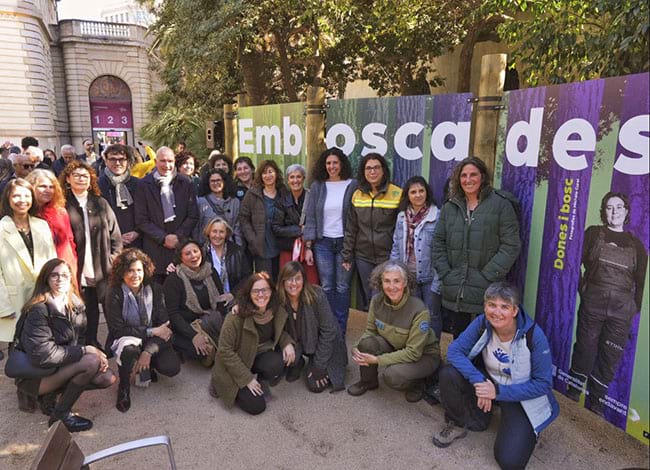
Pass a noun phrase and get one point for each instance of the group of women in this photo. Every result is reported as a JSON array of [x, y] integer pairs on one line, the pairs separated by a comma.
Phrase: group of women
[[243, 298]]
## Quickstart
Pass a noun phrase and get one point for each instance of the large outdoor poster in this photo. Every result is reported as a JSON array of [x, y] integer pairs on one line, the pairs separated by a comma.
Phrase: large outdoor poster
[[418, 135], [577, 157]]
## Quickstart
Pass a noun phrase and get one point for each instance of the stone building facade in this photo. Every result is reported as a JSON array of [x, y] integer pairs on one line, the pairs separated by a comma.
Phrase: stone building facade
[[64, 81]]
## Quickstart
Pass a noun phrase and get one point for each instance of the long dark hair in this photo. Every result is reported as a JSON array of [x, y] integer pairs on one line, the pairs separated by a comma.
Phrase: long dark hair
[[455, 189], [319, 171], [279, 180], [361, 171], [246, 306], [289, 270], [413, 180], [42, 286]]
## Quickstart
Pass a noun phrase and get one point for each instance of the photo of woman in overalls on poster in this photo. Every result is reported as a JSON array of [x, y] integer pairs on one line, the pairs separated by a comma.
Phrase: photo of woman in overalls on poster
[[611, 292]]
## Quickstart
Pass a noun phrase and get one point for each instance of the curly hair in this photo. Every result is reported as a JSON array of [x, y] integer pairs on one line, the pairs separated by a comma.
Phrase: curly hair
[[76, 165], [123, 262], [319, 170], [58, 199], [215, 157], [279, 180], [178, 252], [413, 180], [182, 157], [603, 205], [228, 184], [120, 149], [243, 297], [388, 267], [361, 171], [455, 188], [5, 203]]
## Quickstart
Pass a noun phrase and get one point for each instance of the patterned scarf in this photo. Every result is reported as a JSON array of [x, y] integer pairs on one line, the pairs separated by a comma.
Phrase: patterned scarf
[[166, 194], [412, 221], [122, 194], [204, 274], [137, 308]]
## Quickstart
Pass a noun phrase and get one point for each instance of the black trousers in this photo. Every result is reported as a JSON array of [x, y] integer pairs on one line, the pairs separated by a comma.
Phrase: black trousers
[[268, 366], [91, 301], [516, 437], [455, 322], [164, 361]]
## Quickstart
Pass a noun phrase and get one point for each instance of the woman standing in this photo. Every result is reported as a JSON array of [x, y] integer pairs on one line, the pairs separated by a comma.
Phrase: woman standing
[[228, 259], [186, 164], [476, 242], [515, 371], [412, 242], [327, 206], [219, 201], [397, 337], [371, 219], [611, 293], [25, 246], [244, 172], [195, 302], [256, 213], [50, 331], [51, 208], [138, 324], [248, 354], [314, 329], [97, 237]]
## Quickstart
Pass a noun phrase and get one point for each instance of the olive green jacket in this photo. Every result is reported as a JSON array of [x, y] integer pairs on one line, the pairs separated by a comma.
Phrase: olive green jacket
[[470, 253], [237, 350]]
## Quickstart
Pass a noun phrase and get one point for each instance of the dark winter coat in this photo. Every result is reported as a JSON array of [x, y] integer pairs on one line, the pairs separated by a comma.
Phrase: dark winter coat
[[150, 220], [471, 252], [237, 264], [252, 218], [105, 237], [125, 217], [286, 220]]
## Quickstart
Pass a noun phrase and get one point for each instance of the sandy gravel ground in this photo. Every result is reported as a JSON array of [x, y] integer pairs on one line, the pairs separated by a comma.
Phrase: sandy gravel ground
[[303, 430]]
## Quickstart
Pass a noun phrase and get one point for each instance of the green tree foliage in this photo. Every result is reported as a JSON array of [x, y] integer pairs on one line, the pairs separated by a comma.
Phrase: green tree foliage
[[556, 41]]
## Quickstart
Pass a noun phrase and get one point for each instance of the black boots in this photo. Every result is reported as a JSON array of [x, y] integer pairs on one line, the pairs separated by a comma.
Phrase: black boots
[[368, 381], [124, 389], [63, 409]]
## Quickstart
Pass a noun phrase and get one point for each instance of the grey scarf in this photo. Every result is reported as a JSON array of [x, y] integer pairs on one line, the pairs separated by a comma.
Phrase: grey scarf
[[136, 310], [205, 276], [122, 194], [166, 194]]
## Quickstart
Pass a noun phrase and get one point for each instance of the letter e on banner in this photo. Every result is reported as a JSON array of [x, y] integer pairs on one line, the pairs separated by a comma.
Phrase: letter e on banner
[[633, 137], [399, 141], [585, 143], [459, 150], [373, 134], [246, 135], [344, 130], [532, 132]]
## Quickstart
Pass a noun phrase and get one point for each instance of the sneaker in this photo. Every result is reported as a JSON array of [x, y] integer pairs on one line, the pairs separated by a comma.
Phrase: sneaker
[[448, 434]]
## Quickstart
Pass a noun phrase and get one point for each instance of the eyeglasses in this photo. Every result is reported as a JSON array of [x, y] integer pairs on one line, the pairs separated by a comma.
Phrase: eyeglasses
[[117, 160], [62, 276], [80, 176], [294, 280], [262, 291], [216, 181], [26, 166], [370, 169]]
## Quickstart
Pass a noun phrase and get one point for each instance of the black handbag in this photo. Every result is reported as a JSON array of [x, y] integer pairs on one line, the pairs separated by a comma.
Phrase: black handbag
[[18, 366]]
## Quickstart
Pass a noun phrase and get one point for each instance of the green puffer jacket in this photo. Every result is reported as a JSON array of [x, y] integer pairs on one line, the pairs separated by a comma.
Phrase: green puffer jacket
[[469, 254], [237, 350]]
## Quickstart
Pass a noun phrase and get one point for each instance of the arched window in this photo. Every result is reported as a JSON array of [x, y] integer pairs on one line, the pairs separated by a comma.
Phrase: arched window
[[110, 110]]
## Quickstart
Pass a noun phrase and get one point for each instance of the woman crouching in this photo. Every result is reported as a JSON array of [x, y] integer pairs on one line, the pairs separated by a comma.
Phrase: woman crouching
[[248, 356], [398, 336], [316, 332], [138, 324], [51, 332], [501, 357]]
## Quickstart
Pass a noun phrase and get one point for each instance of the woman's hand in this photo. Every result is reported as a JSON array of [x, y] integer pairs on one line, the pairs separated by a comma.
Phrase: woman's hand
[[255, 388], [322, 383], [227, 297], [484, 404], [163, 331], [143, 363], [289, 354], [201, 344], [171, 268], [363, 359], [485, 389]]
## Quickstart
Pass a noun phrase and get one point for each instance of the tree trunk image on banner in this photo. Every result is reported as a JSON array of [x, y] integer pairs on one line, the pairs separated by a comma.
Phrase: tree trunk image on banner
[[418, 135], [577, 157]]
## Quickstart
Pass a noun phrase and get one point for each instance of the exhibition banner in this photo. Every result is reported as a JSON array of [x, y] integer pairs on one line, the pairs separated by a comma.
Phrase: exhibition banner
[[419, 135], [577, 157]]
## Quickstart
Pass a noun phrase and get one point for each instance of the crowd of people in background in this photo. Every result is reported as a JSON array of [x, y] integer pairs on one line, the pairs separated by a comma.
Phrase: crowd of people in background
[[246, 271]]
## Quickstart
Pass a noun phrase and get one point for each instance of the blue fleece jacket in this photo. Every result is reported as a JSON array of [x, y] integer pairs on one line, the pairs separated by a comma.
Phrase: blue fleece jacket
[[532, 370]]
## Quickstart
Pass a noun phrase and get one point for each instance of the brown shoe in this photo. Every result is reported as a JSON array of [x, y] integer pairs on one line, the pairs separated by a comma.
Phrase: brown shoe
[[360, 388]]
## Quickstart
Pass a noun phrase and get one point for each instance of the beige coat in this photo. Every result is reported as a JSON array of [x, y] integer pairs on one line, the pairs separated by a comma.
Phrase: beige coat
[[17, 272]]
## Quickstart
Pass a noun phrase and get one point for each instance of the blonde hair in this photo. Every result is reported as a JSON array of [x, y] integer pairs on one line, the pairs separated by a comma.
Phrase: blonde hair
[[58, 200]]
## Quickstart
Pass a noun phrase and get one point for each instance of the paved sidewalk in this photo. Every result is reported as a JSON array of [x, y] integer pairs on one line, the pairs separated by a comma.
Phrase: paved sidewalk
[[302, 430]]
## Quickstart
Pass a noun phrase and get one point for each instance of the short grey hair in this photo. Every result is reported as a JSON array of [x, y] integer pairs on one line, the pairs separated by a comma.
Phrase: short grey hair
[[296, 167], [504, 291], [35, 152], [16, 157], [164, 149], [391, 266], [68, 148]]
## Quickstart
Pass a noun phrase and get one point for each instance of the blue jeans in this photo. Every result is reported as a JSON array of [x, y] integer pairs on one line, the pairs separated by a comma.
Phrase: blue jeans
[[335, 280], [433, 303]]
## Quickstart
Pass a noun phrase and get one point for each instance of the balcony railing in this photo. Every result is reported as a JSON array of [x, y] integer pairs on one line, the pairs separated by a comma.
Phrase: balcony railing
[[105, 30]]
